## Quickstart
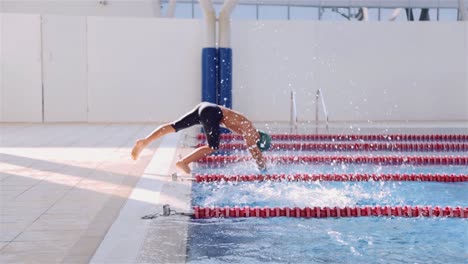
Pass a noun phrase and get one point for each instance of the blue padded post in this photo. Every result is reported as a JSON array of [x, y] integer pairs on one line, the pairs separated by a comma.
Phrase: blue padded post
[[209, 75], [225, 80], [225, 77]]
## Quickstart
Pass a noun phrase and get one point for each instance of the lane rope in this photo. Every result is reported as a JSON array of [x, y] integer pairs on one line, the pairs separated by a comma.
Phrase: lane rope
[[331, 177], [354, 137], [325, 212], [416, 147], [341, 159]]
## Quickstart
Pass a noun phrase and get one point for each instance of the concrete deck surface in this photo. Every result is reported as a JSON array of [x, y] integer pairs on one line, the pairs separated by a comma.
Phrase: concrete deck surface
[[62, 186]]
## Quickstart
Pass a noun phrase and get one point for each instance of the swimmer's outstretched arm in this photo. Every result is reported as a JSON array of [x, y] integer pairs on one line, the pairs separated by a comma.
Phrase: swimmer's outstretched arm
[[258, 157], [251, 141], [157, 133]]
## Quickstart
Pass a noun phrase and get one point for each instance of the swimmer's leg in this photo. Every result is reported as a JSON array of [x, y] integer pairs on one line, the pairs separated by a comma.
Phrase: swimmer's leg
[[157, 133], [187, 120], [210, 117], [197, 154]]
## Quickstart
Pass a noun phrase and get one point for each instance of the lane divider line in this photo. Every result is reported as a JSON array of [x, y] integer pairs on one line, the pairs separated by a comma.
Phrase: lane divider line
[[354, 137], [331, 177], [405, 147], [326, 212], [341, 159]]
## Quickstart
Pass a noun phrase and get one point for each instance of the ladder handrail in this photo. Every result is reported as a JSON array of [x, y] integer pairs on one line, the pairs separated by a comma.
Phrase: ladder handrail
[[318, 94], [293, 112]]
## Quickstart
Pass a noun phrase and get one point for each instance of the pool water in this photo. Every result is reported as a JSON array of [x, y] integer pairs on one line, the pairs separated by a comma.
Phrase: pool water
[[341, 194], [330, 240], [341, 240], [250, 168]]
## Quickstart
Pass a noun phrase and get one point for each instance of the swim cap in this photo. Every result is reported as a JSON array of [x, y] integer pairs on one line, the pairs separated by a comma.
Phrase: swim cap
[[264, 142]]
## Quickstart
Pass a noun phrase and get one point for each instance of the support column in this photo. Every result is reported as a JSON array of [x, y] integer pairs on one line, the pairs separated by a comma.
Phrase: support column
[[225, 54], [209, 56]]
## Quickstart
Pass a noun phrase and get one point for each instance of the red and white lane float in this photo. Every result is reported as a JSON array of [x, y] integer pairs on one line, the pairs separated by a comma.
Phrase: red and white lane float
[[351, 137], [325, 212], [341, 159], [358, 146], [331, 177]]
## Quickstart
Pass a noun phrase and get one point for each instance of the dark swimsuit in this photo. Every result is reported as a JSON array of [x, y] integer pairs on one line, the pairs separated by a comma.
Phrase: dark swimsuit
[[206, 114]]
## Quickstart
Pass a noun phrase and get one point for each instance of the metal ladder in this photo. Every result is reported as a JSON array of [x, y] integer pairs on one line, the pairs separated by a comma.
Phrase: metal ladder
[[319, 95]]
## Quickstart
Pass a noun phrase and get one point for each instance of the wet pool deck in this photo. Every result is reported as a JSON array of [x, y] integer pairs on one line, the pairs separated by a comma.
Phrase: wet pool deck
[[68, 195]]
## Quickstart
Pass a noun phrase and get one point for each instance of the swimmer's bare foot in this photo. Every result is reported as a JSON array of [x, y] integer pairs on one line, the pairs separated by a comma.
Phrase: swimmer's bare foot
[[139, 146], [181, 165]]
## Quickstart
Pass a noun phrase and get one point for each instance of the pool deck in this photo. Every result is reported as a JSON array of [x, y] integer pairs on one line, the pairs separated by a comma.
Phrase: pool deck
[[70, 193], [63, 186]]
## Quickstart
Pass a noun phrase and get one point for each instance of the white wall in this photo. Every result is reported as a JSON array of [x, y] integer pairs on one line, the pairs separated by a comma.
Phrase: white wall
[[392, 72], [142, 69], [269, 59], [368, 71], [64, 66], [138, 8], [466, 68], [1, 65], [22, 80]]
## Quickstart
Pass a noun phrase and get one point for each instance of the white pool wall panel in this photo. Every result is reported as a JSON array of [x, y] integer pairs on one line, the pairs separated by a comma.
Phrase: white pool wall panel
[[22, 68], [65, 69], [367, 71], [117, 69], [142, 70], [1, 65]]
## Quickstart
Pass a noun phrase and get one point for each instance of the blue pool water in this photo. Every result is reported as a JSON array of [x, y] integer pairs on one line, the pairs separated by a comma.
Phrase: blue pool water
[[341, 194], [250, 168], [341, 240], [332, 240]]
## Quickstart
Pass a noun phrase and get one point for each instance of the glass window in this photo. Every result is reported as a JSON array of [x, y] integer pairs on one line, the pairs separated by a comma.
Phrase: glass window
[[183, 10], [417, 14], [244, 12], [448, 14], [373, 14], [272, 12], [198, 12], [303, 13], [357, 14], [399, 14], [163, 9], [433, 14], [354, 13], [334, 14]]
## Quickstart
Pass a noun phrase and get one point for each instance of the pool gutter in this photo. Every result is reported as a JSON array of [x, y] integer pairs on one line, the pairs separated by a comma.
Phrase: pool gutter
[[127, 240]]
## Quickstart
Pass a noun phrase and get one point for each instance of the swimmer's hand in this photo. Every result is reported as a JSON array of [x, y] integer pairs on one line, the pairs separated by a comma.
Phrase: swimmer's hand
[[262, 169]]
